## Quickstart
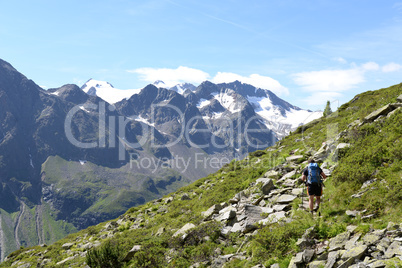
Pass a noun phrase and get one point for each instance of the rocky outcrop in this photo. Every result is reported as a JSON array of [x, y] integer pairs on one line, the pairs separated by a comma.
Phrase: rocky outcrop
[[378, 248]]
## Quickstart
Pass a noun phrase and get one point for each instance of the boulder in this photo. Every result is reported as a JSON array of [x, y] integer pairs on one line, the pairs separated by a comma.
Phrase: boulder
[[67, 246], [278, 208], [354, 253], [332, 258], [294, 158], [160, 231], [298, 191], [399, 99], [371, 239], [184, 229], [316, 264], [308, 255], [352, 242], [296, 261], [394, 111], [168, 200], [211, 211], [271, 173], [285, 199], [394, 249], [226, 214], [374, 115], [287, 176], [185, 197], [267, 185], [273, 218], [339, 241], [132, 252], [63, 261]]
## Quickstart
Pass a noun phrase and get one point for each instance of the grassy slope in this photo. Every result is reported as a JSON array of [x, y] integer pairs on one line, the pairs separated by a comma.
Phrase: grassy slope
[[376, 153]]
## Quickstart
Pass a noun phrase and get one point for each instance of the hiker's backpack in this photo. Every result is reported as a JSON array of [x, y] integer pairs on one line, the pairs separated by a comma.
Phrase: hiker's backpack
[[314, 175]]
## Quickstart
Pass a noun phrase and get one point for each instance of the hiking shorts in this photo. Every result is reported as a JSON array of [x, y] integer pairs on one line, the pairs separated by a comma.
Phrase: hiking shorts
[[314, 189]]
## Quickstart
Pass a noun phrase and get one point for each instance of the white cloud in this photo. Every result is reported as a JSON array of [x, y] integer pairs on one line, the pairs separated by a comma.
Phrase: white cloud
[[256, 80], [340, 60], [330, 84], [370, 66], [171, 77], [329, 80], [391, 67]]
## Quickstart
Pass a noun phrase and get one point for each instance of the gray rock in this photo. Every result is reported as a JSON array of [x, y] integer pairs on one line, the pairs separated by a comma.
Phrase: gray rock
[[275, 265], [226, 230], [168, 200], [343, 146], [394, 249], [332, 258], [273, 218], [303, 243], [287, 176], [352, 213], [355, 252], [132, 252], [227, 214], [298, 192], [67, 246], [392, 226], [352, 242], [394, 111], [399, 99], [271, 173], [371, 238], [384, 244], [351, 228], [185, 197], [285, 199], [267, 185], [308, 255], [339, 241], [160, 231], [278, 208], [382, 111], [237, 227], [294, 158], [378, 264], [296, 261], [316, 264], [65, 260], [211, 211], [346, 263], [184, 229]]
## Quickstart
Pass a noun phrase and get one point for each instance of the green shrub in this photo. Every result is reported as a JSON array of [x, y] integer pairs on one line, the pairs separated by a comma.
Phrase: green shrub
[[109, 255]]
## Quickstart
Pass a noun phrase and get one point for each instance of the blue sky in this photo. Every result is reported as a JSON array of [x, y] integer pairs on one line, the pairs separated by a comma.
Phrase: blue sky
[[306, 52]]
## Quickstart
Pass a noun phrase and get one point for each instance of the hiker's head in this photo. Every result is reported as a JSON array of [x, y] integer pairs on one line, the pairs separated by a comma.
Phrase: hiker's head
[[311, 161]]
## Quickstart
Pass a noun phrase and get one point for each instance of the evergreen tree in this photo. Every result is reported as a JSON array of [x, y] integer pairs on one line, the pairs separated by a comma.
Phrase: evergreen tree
[[327, 110]]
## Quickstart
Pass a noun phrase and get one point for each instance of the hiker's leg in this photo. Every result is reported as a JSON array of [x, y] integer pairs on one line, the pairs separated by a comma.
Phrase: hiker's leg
[[318, 200], [311, 202]]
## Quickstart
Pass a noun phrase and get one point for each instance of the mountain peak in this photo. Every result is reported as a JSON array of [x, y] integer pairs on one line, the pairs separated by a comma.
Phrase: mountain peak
[[95, 84], [159, 83]]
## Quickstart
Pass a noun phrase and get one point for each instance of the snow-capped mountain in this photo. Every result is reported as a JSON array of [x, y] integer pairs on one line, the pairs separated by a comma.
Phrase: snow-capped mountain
[[275, 113], [220, 100], [106, 91]]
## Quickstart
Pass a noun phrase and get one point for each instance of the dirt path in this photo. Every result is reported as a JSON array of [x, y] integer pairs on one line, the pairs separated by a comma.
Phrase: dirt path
[[17, 225], [2, 244], [38, 220]]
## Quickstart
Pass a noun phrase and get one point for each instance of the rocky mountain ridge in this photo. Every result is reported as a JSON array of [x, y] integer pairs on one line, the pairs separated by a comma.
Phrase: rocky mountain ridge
[[261, 210]]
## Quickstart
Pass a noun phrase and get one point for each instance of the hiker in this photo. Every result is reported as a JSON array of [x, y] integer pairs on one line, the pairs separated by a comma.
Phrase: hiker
[[313, 173]]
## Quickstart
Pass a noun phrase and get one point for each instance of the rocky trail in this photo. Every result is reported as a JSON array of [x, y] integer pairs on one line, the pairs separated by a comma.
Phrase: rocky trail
[[17, 224], [2, 245]]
